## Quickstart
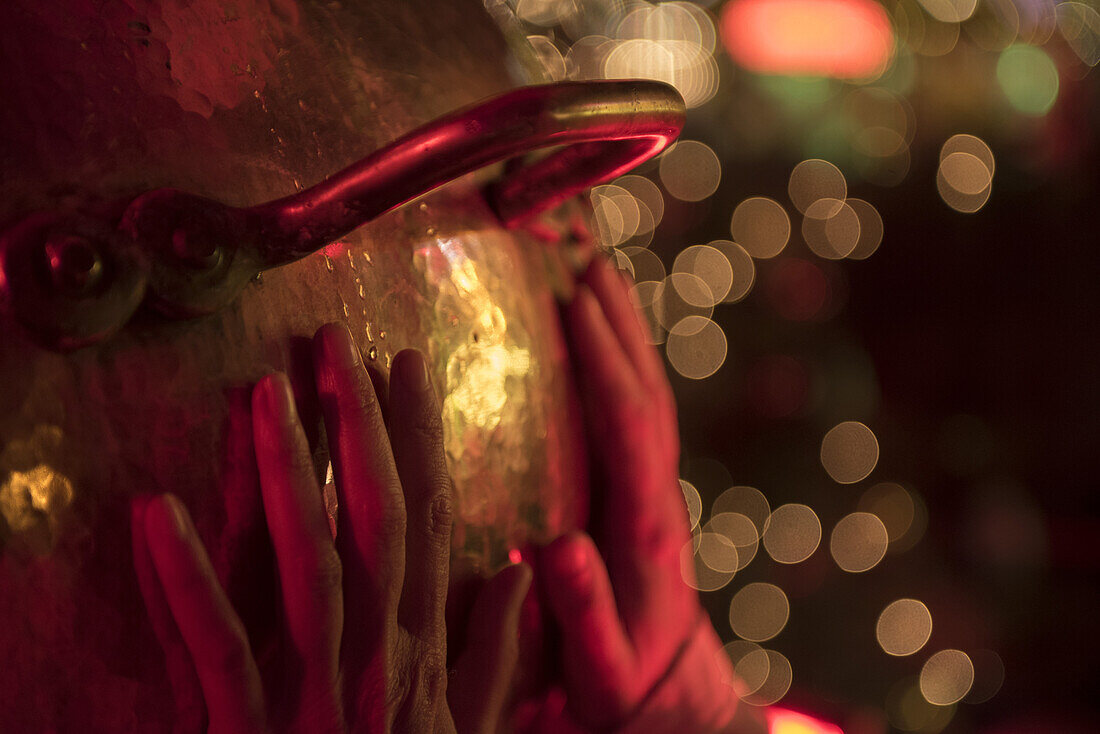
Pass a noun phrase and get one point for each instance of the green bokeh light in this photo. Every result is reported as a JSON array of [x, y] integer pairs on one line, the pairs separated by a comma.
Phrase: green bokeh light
[[1028, 78]]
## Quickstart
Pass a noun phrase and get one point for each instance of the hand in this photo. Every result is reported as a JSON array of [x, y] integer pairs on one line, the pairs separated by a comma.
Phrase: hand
[[364, 638], [636, 646]]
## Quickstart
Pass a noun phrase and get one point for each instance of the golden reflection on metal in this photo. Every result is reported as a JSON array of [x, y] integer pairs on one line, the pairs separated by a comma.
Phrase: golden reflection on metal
[[30, 500], [477, 372]]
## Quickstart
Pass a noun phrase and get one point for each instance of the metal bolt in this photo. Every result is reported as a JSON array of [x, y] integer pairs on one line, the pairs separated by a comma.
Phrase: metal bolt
[[195, 250], [74, 263]]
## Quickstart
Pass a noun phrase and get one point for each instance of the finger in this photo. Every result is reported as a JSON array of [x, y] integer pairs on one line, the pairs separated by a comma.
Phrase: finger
[[612, 290], [597, 656], [483, 676], [181, 671], [370, 535], [309, 569], [603, 366], [614, 299], [211, 629], [416, 431]]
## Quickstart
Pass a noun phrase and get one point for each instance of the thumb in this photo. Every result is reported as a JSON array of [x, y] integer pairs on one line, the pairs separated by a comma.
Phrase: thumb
[[484, 672]]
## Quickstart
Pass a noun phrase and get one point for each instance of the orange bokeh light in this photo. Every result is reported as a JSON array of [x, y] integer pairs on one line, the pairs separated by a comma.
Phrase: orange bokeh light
[[782, 721], [847, 39]]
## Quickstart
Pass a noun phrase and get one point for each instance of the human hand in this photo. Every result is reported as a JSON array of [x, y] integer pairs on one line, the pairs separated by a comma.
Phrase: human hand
[[364, 638], [637, 649]]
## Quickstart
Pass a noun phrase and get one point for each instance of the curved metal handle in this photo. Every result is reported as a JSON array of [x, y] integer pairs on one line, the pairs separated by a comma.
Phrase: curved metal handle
[[200, 252], [610, 126]]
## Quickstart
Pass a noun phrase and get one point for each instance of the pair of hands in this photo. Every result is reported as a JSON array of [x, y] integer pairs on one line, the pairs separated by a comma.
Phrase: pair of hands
[[364, 613]]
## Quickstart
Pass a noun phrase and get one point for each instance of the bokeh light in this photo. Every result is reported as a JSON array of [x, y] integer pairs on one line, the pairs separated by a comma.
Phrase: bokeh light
[[781, 721], [1079, 24], [908, 710], [901, 512], [647, 264], [696, 347], [831, 228], [740, 530], [646, 192], [694, 569], [815, 179], [690, 170], [709, 265], [793, 533], [761, 226], [870, 229], [759, 611], [903, 627], [777, 683], [950, 11], [1029, 78], [681, 295], [848, 39], [718, 552], [858, 542], [548, 54], [751, 665], [747, 501], [946, 677], [693, 501], [742, 269], [989, 676], [849, 452]]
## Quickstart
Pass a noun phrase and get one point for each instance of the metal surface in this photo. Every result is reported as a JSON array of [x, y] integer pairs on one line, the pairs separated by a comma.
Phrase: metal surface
[[105, 99], [193, 255]]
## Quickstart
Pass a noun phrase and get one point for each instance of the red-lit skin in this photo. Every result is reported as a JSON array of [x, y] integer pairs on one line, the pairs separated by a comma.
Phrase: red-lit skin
[[620, 602], [364, 643]]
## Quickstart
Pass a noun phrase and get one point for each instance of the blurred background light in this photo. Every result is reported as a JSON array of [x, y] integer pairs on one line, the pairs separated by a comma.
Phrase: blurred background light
[[793, 533], [903, 627], [1029, 78], [848, 39]]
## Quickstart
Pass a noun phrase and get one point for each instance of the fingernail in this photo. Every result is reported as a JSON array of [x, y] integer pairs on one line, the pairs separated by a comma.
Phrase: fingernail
[[410, 370], [338, 347], [279, 397]]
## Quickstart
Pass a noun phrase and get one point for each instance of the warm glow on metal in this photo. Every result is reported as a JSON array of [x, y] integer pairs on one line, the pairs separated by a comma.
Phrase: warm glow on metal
[[847, 39]]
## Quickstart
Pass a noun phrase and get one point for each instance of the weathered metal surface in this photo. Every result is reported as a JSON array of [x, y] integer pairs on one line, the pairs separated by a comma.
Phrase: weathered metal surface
[[72, 280], [246, 103]]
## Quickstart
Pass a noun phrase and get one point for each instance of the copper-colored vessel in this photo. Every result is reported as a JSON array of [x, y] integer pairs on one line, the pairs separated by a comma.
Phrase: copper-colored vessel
[[134, 323]]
